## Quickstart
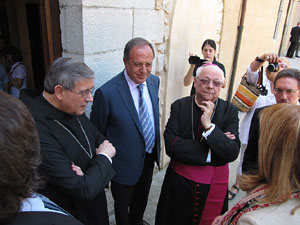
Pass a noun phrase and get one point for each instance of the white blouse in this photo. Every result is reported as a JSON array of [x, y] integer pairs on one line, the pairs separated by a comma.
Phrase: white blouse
[[261, 101]]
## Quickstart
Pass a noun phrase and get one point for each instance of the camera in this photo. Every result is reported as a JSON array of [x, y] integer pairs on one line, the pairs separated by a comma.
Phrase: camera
[[273, 67], [196, 60]]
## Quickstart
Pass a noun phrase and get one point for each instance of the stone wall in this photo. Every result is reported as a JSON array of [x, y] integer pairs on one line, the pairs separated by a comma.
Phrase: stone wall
[[97, 31]]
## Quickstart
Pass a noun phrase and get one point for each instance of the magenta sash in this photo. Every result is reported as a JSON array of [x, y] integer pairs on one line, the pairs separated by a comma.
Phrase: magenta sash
[[216, 176]]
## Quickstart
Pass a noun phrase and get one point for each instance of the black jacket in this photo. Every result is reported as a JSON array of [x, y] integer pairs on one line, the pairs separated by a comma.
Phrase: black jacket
[[82, 196], [181, 146], [295, 34], [251, 153]]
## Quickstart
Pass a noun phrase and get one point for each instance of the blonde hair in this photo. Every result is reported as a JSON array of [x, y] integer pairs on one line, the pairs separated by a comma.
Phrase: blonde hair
[[286, 61], [279, 153]]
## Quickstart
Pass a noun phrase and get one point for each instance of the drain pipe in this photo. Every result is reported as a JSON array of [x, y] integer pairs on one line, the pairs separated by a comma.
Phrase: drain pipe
[[237, 50], [286, 23]]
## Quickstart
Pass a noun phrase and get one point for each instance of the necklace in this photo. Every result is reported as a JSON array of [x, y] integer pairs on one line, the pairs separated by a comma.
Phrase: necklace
[[89, 154]]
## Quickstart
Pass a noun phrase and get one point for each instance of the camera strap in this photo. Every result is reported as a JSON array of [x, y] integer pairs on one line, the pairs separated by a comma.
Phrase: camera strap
[[260, 86]]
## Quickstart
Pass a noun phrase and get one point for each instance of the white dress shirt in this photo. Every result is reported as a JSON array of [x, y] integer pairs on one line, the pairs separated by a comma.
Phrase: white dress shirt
[[134, 90]]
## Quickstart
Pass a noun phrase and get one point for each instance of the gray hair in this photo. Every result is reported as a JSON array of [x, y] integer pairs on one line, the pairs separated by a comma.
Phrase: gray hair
[[199, 70], [289, 73], [136, 42], [66, 72]]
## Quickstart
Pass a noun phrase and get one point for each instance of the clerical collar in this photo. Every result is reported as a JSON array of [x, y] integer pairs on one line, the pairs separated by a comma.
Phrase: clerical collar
[[197, 102]]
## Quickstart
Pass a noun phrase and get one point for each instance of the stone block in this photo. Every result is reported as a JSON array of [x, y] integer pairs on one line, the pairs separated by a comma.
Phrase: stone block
[[149, 24], [106, 29], [149, 4], [71, 26], [109, 3], [70, 3], [105, 66]]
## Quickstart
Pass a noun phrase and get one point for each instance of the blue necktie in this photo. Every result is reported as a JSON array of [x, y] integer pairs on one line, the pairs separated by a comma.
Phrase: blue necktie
[[147, 126]]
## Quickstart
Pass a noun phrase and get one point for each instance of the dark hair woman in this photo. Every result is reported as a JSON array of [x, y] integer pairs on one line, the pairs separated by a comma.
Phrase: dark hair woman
[[208, 51]]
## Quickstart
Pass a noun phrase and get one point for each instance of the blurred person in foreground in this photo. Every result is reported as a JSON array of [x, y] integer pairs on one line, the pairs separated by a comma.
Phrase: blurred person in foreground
[[209, 50], [76, 158], [286, 90], [273, 192], [268, 78], [201, 138], [19, 179]]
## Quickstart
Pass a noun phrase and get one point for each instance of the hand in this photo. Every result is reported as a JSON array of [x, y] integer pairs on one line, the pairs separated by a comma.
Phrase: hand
[[207, 107], [107, 148], [192, 65], [77, 170], [216, 220], [270, 57], [207, 60], [230, 135]]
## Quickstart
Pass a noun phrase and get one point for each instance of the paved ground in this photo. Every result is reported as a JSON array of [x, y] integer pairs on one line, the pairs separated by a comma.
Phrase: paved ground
[[158, 178]]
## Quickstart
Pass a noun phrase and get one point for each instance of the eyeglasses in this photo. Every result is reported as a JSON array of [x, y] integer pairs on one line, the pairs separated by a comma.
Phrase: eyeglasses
[[291, 92], [85, 93], [283, 65], [207, 82]]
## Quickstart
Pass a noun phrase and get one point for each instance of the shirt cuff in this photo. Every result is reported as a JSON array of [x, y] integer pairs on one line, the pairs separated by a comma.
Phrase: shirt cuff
[[205, 134], [105, 156], [252, 76]]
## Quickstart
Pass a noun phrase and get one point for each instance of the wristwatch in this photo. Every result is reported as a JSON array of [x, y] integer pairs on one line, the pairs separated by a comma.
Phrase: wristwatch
[[259, 60]]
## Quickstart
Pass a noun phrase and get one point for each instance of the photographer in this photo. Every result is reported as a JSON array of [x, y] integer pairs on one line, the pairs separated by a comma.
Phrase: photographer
[[275, 65], [208, 51]]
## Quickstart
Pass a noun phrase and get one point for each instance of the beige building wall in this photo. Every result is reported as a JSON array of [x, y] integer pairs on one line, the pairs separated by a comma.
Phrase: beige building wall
[[228, 38], [258, 32]]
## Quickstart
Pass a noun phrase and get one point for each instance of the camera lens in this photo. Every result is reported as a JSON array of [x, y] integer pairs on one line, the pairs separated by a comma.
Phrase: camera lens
[[273, 67]]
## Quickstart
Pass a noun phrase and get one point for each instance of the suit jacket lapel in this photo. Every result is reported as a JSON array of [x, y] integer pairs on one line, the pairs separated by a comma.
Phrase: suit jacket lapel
[[126, 97], [153, 95]]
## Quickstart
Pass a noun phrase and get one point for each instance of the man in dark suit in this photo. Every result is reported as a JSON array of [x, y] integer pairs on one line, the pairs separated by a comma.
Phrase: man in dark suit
[[117, 113], [286, 90], [294, 39]]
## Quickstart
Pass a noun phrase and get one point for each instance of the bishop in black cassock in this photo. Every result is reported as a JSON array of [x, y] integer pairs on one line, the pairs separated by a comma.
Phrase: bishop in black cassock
[[201, 138]]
